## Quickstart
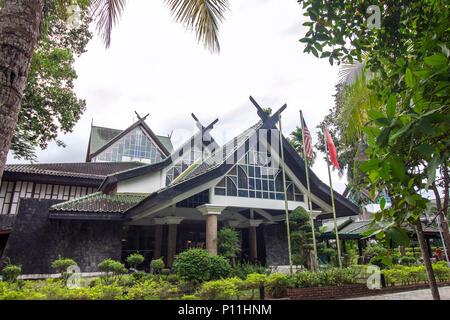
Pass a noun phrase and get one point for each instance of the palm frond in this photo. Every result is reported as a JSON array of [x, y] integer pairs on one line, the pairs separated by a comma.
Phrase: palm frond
[[350, 72], [202, 16], [106, 13]]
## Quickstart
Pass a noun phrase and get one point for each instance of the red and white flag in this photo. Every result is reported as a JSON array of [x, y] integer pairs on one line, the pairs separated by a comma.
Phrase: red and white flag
[[331, 149], [307, 141]]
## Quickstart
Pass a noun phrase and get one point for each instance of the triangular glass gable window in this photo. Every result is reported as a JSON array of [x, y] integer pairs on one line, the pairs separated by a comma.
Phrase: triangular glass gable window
[[135, 146], [255, 177]]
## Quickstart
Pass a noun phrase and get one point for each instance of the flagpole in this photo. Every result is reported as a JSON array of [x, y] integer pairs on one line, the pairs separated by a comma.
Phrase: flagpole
[[316, 261], [285, 195], [332, 200]]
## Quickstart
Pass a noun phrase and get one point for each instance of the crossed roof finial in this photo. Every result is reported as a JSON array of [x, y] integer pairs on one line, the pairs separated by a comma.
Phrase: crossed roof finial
[[264, 116], [141, 118]]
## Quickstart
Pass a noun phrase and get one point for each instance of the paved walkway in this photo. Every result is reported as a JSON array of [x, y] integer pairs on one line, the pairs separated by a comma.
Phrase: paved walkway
[[409, 295]]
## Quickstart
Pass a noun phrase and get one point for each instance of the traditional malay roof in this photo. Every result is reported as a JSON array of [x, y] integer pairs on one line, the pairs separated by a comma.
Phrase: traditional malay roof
[[205, 138], [216, 167], [96, 206], [200, 173], [67, 171], [356, 229], [102, 138]]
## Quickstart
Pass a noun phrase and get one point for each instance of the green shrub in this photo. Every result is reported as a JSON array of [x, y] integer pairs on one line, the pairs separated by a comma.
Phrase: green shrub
[[407, 260], [219, 267], [190, 297], [172, 278], [135, 259], [228, 243], [240, 285], [61, 265], [197, 265], [10, 272], [165, 271], [149, 290], [276, 285], [138, 276], [113, 270], [157, 265], [217, 290], [255, 281], [441, 271], [327, 277]]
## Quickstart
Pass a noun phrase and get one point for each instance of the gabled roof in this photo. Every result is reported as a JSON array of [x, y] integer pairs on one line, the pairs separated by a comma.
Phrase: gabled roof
[[203, 134], [355, 229], [96, 205], [211, 169], [82, 170], [102, 138], [112, 179]]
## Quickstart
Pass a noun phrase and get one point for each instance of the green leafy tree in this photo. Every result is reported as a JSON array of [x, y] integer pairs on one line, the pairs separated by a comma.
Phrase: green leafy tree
[[302, 240], [157, 265], [228, 243], [409, 129], [135, 259], [50, 105], [61, 265], [113, 270]]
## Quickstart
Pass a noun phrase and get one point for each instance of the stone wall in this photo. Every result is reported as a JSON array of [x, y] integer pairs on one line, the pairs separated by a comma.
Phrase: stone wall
[[275, 239], [36, 241], [6, 221]]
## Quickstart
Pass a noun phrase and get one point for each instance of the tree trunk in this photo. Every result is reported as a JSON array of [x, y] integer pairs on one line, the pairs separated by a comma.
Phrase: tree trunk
[[427, 261], [442, 207], [19, 28]]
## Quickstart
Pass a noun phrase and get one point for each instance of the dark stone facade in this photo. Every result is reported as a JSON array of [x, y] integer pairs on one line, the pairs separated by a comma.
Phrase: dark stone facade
[[6, 221], [36, 241], [275, 239]]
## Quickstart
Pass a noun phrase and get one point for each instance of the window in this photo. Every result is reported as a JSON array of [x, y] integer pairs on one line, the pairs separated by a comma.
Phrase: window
[[136, 144], [255, 177], [188, 157]]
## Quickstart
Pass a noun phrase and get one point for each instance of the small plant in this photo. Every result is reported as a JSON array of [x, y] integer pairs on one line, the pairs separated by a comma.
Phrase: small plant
[[135, 259], [165, 271], [276, 285], [61, 265], [138, 276], [219, 267], [157, 265], [113, 270], [217, 290], [10, 272], [255, 281]]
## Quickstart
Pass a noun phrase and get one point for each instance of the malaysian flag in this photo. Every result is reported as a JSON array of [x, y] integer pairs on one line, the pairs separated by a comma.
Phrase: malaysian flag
[[307, 141]]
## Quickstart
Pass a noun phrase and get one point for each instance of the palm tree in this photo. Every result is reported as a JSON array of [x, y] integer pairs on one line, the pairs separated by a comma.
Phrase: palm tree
[[20, 22]]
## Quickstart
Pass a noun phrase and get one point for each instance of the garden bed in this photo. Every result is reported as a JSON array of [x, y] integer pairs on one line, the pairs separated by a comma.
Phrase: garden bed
[[351, 291]]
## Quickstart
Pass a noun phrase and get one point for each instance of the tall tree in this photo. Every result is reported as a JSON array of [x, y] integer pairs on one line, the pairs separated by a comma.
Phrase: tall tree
[[19, 29], [408, 134], [49, 103]]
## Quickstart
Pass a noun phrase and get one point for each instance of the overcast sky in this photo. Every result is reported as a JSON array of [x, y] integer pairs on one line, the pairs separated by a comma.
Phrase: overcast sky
[[154, 66]]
